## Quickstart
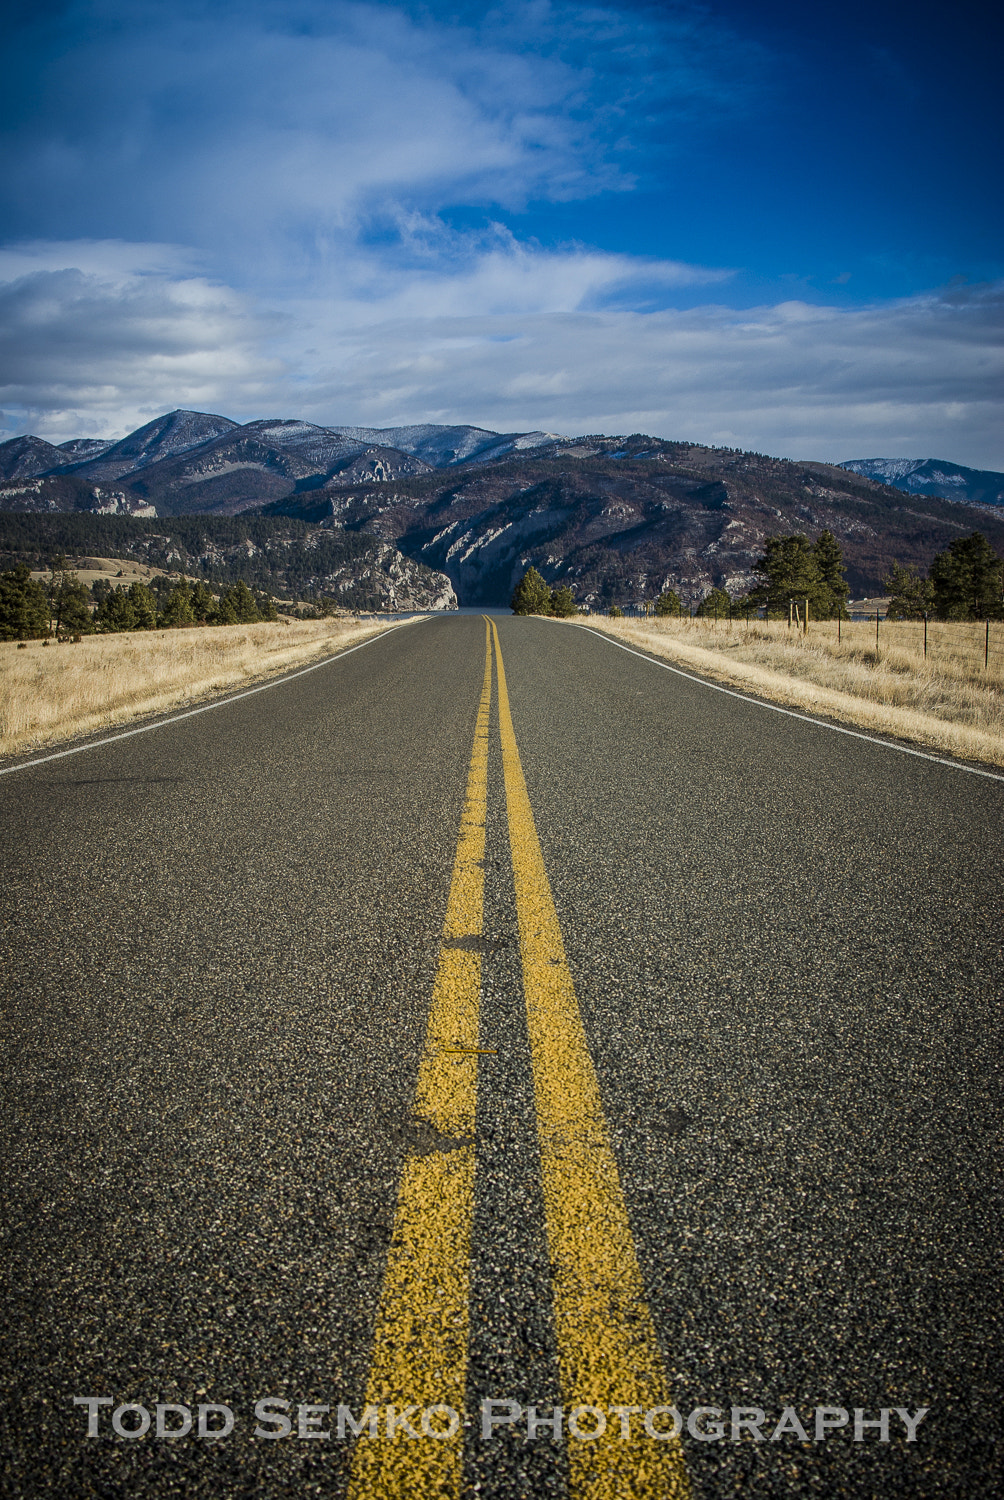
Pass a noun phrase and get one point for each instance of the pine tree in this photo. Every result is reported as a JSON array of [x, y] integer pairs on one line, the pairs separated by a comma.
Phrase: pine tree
[[177, 610], [24, 608], [968, 580], [202, 603], [242, 602], [115, 612], [668, 603], [562, 603], [830, 562], [531, 595], [144, 606], [788, 570], [237, 606], [717, 605], [69, 600], [910, 595]]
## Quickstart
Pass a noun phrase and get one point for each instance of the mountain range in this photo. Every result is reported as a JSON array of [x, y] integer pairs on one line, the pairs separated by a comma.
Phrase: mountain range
[[618, 518], [194, 462], [933, 476]]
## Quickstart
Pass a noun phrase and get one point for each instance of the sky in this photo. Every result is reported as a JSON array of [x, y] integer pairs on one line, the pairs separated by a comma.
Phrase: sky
[[772, 226]]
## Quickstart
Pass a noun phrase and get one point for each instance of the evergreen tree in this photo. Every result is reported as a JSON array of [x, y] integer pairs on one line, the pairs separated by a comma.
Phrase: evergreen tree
[[24, 608], [115, 612], [225, 612], [615, 612], [69, 600], [144, 606], [968, 580], [562, 603], [237, 606], [177, 608], [716, 605], [265, 605], [910, 595], [668, 603], [244, 604], [202, 603], [830, 562], [531, 595], [788, 570]]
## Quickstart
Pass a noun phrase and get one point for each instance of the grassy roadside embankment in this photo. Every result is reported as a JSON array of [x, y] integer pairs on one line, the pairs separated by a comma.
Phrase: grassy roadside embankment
[[949, 704], [52, 693]]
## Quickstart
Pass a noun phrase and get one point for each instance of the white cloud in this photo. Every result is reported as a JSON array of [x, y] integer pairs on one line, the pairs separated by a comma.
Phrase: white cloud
[[271, 131], [921, 376], [508, 336], [98, 351]]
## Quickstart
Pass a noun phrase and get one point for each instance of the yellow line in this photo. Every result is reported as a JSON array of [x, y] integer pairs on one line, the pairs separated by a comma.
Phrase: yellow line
[[607, 1349], [420, 1344]]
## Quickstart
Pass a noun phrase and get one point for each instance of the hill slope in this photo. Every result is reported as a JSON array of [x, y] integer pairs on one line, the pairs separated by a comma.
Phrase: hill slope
[[622, 518], [282, 556], [619, 518], [933, 476]]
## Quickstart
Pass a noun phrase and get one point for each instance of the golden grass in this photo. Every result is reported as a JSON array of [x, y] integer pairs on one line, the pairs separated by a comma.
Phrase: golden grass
[[114, 570], [949, 703], [50, 693]]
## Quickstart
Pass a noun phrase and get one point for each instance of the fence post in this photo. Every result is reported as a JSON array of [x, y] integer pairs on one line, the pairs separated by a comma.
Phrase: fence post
[[876, 633], [986, 649], [806, 631], [925, 635]]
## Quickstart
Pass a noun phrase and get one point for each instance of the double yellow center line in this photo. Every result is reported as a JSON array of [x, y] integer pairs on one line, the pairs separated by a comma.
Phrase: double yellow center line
[[607, 1349]]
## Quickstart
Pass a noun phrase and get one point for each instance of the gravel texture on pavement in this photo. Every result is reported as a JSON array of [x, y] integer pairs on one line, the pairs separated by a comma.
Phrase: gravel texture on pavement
[[218, 947]]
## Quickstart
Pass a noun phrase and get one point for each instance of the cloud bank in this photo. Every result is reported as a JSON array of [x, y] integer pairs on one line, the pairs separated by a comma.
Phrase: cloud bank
[[298, 208], [515, 339], [270, 131]]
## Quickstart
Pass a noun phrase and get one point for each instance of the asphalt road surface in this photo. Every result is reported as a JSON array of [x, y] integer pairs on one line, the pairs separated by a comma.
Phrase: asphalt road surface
[[419, 1035]]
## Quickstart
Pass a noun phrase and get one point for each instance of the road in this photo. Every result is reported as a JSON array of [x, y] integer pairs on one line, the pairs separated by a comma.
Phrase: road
[[417, 1033]]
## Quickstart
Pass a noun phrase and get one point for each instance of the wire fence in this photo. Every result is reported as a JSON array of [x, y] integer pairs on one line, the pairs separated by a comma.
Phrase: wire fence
[[962, 645]]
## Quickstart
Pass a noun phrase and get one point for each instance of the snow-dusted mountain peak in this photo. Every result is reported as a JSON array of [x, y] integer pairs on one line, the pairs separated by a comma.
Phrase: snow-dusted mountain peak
[[933, 476]]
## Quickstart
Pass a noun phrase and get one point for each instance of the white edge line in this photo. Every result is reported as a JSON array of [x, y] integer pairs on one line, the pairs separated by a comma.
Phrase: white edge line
[[206, 708], [791, 713]]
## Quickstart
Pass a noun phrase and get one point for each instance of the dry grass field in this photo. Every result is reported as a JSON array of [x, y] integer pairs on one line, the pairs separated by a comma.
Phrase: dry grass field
[[949, 703], [115, 570], [51, 692]]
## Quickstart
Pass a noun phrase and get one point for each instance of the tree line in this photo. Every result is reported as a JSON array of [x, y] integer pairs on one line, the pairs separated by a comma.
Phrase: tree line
[[965, 582], [533, 595], [64, 607], [790, 568], [270, 553]]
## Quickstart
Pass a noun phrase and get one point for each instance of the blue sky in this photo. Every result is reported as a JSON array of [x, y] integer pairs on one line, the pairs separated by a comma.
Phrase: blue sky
[[769, 225]]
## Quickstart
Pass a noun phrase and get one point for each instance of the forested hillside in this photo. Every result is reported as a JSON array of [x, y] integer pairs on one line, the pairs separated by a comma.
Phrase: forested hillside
[[284, 557]]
